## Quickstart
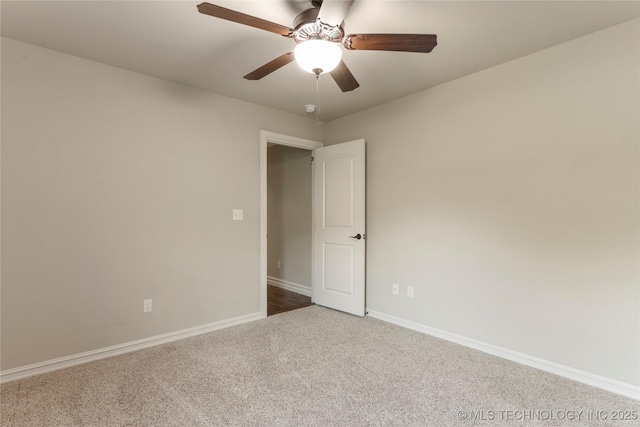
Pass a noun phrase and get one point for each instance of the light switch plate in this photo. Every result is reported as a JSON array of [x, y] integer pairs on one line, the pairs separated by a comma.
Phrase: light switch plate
[[238, 214]]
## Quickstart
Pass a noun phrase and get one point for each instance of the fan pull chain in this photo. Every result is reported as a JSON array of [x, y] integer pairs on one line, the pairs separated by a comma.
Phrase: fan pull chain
[[318, 96], [318, 100]]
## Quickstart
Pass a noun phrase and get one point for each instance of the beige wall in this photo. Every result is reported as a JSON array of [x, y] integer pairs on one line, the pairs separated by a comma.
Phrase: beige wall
[[289, 214], [117, 187], [510, 200]]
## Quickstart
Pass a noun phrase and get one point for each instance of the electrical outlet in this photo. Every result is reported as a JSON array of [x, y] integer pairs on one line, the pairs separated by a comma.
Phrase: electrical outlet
[[279, 264], [410, 291], [147, 305], [395, 288], [238, 214]]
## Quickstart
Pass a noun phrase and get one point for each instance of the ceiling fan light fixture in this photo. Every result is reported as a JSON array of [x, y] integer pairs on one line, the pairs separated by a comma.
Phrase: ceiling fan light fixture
[[318, 56]]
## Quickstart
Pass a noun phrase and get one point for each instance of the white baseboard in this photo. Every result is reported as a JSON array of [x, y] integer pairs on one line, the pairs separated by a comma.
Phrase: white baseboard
[[289, 286], [101, 353], [604, 383]]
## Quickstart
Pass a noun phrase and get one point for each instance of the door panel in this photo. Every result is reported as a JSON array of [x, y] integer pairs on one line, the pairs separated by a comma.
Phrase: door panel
[[338, 268], [339, 227], [338, 199]]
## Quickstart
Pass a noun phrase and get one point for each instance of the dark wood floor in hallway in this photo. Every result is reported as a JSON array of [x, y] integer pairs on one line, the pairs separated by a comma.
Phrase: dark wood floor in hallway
[[280, 300]]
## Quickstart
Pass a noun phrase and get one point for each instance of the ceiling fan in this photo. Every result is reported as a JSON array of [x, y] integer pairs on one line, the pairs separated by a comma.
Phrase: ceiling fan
[[319, 36]]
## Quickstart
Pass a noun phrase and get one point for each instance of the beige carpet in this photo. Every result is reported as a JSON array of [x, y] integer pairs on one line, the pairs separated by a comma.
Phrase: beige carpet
[[309, 367]]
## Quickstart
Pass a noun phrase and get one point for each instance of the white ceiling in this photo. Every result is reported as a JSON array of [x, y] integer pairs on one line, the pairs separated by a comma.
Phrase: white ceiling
[[172, 41]]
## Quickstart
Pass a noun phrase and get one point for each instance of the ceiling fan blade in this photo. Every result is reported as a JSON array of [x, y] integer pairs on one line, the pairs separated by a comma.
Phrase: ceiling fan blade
[[241, 18], [394, 42], [270, 67], [332, 12], [343, 77]]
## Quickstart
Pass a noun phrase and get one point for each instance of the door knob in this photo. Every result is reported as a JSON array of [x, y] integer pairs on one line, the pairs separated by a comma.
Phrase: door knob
[[357, 236]]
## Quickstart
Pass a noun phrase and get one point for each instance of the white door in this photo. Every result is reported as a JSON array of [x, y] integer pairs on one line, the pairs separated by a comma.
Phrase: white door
[[339, 227]]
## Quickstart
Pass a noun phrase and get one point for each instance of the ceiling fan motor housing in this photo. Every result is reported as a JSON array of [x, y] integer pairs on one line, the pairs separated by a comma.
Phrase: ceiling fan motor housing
[[308, 27]]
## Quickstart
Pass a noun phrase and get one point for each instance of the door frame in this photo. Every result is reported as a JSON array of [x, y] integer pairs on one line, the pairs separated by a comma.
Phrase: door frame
[[266, 138]]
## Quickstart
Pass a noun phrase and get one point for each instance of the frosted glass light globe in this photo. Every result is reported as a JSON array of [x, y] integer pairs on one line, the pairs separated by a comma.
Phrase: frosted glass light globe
[[318, 54]]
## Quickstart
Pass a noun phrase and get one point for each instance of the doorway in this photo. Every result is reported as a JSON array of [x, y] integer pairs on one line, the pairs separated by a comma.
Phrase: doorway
[[273, 139], [289, 228]]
